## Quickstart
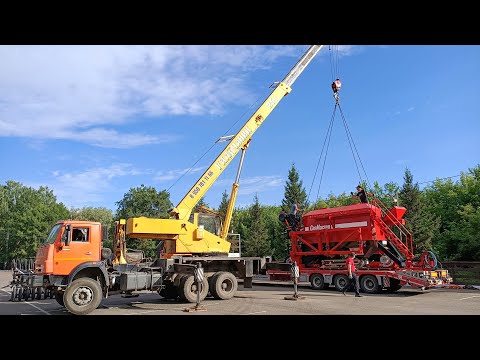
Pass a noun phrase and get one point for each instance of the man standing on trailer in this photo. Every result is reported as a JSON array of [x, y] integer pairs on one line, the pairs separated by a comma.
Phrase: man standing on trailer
[[351, 275], [361, 194]]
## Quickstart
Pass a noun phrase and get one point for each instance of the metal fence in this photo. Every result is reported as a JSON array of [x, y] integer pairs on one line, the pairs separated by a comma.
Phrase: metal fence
[[463, 272]]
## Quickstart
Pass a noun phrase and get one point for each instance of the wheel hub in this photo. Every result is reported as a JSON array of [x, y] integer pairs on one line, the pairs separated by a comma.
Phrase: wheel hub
[[227, 285], [83, 296], [369, 284]]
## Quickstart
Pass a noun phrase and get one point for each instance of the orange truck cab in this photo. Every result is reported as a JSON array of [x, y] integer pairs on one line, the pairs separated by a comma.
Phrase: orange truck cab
[[70, 245]]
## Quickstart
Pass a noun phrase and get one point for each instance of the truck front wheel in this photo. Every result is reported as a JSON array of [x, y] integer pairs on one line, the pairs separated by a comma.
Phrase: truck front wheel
[[83, 296]]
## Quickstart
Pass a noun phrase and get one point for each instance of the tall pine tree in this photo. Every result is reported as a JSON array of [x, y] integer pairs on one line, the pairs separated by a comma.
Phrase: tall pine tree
[[256, 241], [222, 208], [294, 191], [422, 225]]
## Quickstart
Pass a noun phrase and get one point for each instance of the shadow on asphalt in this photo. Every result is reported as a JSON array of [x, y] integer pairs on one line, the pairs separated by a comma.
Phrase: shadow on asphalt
[[305, 289]]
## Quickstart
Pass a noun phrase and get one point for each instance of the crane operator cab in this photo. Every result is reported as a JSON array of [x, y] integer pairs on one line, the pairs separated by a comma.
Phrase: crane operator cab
[[207, 219]]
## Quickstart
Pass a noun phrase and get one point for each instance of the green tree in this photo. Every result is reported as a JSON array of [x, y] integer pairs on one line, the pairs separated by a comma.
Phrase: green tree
[[99, 214], [89, 213], [199, 204], [241, 221], [144, 201], [422, 225], [409, 194], [256, 238], [276, 233], [386, 194], [148, 202], [294, 191], [26, 217], [222, 207], [455, 204]]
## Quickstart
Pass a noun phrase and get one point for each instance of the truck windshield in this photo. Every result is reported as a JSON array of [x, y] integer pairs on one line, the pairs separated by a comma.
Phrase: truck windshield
[[210, 223], [53, 234]]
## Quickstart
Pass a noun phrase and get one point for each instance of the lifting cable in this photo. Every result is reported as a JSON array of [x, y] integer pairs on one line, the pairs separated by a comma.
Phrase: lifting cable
[[326, 141], [336, 85]]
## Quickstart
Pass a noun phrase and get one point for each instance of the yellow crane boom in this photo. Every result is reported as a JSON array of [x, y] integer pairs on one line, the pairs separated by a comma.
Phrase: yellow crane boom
[[184, 233], [198, 190]]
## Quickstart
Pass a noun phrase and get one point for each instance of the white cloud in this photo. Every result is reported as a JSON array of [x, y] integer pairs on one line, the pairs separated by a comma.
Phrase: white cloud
[[55, 92], [411, 108], [260, 183], [174, 174], [83, 188]]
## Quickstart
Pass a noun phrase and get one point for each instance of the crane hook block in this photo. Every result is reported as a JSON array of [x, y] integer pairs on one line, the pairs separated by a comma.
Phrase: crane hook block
[[336, 85]]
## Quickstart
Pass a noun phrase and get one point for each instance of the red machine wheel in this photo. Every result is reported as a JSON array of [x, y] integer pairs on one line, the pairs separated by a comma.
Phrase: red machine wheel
[[340, 281], [318, 282], [369, 284]]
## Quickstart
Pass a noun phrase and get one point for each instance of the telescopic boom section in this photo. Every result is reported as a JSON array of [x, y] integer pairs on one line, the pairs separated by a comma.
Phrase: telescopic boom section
[[184, 208]]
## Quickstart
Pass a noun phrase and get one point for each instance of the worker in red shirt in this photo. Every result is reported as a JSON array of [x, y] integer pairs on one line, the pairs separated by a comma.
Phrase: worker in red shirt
[[351, 275]]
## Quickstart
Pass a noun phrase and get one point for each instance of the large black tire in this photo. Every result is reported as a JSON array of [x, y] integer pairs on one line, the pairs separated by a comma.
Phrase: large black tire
[[39, 293], [223, 285], [59, 298], [341, 281], [369, 284], [27, 294], [187, 289], [83, 296], [318, 282], [20, 293], [13, 296], [169, 291]]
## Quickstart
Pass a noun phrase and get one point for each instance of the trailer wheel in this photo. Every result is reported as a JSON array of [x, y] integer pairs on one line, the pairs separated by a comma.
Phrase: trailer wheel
[[28, 294], [45, 294], [187, 289], [83, 296], [340, 281], [39, 293], [59, 298], [318, 282], [13, 296], [369, 284], [20, 293], [223, 285]]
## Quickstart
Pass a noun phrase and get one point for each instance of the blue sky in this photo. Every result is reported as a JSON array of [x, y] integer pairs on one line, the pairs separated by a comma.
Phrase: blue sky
[[90, 122]]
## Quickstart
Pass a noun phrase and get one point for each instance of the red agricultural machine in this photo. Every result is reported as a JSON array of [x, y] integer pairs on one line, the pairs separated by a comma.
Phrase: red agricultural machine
[[383, 246]]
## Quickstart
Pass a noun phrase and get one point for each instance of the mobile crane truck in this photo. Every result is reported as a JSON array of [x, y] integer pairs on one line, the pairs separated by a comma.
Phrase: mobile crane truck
[[72, 266]]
